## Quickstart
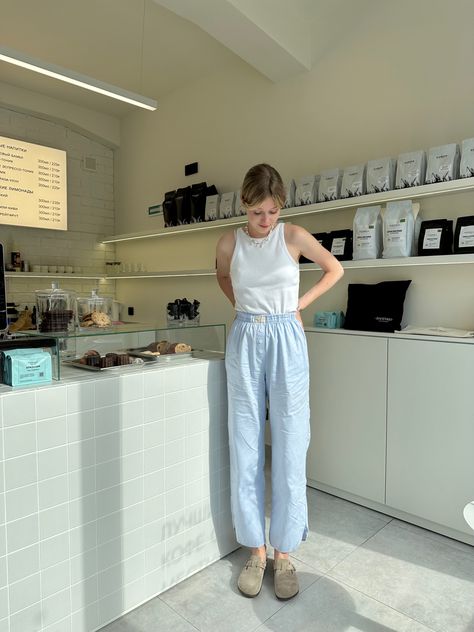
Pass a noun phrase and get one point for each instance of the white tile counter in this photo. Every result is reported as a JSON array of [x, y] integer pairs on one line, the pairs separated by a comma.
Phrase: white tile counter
[[113, 487]]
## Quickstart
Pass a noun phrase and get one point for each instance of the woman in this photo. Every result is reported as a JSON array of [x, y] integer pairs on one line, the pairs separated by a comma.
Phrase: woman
[[267, 358]]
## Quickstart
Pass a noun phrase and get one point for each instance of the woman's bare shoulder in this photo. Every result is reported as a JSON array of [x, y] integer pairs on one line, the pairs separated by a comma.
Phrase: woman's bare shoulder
[[226, 242], [293, 232]]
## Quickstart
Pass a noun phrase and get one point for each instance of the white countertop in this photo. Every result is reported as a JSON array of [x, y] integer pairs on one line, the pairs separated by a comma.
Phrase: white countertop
[[381, 334], [71, 375]]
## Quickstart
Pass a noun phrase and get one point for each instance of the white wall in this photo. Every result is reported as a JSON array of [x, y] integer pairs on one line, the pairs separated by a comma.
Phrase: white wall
[[400, 81], [90, 210], [98, 126]]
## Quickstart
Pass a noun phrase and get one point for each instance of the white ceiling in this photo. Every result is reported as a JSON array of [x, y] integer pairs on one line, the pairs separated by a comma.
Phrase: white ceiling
[[156, 46]]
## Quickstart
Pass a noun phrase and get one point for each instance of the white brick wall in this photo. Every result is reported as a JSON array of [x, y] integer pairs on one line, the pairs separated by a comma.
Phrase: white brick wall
[[91, 211]]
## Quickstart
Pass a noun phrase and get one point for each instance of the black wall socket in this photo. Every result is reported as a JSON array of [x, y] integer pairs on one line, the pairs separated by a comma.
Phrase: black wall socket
[[190, 169], [131, 311]]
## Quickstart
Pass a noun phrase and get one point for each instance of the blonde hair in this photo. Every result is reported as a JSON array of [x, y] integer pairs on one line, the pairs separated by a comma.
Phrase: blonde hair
[[260, 182]]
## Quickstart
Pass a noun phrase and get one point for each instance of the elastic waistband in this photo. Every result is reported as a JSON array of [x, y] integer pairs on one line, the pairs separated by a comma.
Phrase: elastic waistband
[[264, 318]]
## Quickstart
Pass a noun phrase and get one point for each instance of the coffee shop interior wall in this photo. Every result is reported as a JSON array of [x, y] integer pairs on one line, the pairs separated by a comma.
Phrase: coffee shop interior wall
[[401, 80], [90, 205], [397, 80]]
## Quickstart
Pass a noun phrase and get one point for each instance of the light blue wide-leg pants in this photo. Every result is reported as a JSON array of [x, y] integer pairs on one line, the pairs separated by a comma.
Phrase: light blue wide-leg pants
[[267, 356]]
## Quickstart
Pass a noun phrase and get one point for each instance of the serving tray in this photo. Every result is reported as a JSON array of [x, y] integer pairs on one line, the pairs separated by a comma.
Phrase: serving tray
[[164, 357], [78, 365]]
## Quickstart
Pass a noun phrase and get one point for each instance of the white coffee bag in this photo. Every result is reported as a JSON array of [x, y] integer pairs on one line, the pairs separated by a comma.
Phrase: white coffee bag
[[367, 233], [353, 181], [306, 190], [380, 175], [398, 230], [226, 207], [330, 185], [239, 208], [290, 188], [411, 169], [212, 207], [466, 169], [443, 163]]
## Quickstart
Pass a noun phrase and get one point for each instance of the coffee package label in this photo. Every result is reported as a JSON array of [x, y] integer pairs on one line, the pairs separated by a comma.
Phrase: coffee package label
[[466, 169], [330, 185], [398, 230], [290, 188], [306, 190], [239, 208], [368, 233], [212, 207], [226, 207], [353, 181], [380, 175], [466, 237], [338, 245], [443, 163], [432, 238]]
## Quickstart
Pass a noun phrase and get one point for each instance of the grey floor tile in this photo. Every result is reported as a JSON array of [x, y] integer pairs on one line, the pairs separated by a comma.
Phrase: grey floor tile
[[461, 546], [330, 606], [337, 527], [212, 602], [428, 580], [154, 616]]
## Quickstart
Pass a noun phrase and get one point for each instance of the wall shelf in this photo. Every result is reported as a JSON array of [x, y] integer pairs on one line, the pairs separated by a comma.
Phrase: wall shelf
[[418, 193], [399, 262], [51, 275], [308, 267], [304, 267], [163, 274]]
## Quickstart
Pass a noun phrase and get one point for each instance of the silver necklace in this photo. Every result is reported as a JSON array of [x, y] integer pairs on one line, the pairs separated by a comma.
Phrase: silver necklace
[[255, 241]]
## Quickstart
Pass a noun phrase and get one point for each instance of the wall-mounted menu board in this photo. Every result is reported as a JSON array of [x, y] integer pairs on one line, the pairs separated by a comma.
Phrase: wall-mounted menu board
[[33, 189]]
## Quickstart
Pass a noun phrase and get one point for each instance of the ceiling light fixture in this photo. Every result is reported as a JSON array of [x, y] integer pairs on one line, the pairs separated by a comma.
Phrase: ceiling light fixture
[[69, 76]]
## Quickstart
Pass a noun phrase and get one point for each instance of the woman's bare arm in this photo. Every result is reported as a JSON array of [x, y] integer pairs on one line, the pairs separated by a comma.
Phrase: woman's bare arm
[[310, 247], [224, 252]]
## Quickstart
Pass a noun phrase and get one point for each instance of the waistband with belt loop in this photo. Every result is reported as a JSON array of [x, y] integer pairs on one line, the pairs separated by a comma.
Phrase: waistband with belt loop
[[264, 318]]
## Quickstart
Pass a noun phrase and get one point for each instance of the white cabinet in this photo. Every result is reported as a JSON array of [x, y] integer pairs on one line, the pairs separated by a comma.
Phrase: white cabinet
[[348, 408], [430, 430]]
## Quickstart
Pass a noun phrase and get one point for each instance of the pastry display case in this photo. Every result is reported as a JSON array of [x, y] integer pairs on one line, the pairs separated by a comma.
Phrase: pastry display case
[[130, 346], [94, 311], [56, 310]]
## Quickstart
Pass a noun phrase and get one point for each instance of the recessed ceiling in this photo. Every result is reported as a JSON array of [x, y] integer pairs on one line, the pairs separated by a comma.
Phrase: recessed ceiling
[[146, 48]]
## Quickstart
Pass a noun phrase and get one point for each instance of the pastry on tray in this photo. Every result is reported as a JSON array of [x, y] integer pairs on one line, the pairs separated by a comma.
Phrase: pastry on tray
[[163, 347], [93, 358]]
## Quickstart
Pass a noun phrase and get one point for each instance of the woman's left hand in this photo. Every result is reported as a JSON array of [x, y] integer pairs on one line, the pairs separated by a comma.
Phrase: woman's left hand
[[298, 317]]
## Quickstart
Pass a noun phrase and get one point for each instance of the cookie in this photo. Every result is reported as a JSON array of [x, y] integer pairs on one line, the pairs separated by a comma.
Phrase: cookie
[[182, 347], [100, 319], [163, 346]]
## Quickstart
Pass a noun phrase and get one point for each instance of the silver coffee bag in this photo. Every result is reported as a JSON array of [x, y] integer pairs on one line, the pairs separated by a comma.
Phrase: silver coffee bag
[[290, 188], [353, 181], [330, 185], [212, 207], [380, 175], [367, 233], [398, 230], [239, 208], [466, 169], [443, 163], [226, 206], [306, 190]]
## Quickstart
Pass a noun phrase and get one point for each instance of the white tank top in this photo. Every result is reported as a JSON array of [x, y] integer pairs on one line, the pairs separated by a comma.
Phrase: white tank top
[[265, 279]]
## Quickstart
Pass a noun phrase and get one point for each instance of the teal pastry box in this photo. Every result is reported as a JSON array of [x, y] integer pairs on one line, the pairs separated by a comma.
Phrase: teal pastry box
[[330, 320], [25, 367]]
